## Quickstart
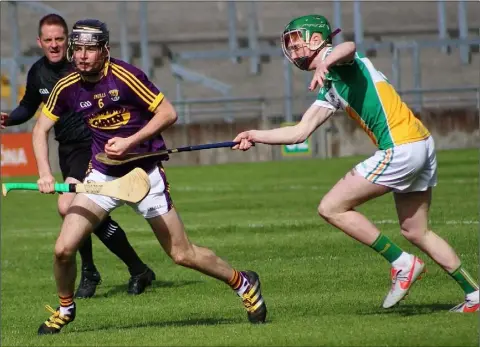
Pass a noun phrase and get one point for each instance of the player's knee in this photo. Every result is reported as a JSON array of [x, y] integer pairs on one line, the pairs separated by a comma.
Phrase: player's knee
[[64, 202], [64, 252], [326, 210], [184, 257], [414, 235], [63, 207]]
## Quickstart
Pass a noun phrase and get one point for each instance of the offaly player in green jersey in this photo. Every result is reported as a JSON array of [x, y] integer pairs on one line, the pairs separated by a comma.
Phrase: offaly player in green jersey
[[405, 162]]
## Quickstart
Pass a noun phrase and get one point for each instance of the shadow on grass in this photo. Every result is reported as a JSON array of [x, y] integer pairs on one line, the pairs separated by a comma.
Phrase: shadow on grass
[[122, 288], [177, 323], [410, 310]]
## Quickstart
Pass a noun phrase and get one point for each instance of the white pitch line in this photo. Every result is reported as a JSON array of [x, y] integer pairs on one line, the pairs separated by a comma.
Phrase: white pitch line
[[448, 222], [463, 181], [280, 187], [265, 188], [253, 225]]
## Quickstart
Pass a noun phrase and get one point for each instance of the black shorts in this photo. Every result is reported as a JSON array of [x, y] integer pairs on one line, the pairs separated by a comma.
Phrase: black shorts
[[75, 159]]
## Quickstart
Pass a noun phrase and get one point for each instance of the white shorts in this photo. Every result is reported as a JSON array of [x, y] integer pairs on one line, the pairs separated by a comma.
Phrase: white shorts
[[411, 167], [156, 203]]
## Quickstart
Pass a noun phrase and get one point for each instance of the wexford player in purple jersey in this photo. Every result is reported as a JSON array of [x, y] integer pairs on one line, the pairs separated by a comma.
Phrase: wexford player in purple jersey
[[74, 153], [126, 112]]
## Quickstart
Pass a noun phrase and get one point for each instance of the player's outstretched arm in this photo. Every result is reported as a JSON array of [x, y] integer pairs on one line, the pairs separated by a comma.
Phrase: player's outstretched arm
[[164, 116], [314, 117], [40, 148]]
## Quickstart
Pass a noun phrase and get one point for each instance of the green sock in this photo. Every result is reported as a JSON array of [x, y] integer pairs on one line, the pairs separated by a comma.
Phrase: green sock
[[464, 279], [387, 248]]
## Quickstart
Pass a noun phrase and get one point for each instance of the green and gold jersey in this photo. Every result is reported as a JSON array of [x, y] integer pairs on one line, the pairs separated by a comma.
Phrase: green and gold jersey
[[366, 95]]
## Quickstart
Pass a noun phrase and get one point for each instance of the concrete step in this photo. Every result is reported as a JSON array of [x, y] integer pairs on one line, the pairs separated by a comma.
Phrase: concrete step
[[185, 21]]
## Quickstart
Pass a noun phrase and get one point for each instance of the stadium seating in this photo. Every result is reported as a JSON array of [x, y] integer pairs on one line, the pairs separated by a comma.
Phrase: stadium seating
[[183, 26]]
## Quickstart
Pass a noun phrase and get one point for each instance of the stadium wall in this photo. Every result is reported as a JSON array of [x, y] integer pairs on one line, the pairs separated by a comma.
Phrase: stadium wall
[[451, 128]]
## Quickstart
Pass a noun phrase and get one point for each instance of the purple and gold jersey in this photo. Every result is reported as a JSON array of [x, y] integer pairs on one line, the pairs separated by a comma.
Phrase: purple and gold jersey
[[118, 105]]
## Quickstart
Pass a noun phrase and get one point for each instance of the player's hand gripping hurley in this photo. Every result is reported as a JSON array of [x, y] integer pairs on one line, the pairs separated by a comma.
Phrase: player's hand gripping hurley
[[103, 158], [132, 187]]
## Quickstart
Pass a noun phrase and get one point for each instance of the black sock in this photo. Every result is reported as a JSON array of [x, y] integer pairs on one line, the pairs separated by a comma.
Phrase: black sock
[[114, 237], [86, 255]]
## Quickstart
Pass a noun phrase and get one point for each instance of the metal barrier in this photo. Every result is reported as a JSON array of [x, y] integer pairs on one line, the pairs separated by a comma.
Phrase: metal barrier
[[225, 109], [415, 48], [458, 97], [468, 97], [199, 111]]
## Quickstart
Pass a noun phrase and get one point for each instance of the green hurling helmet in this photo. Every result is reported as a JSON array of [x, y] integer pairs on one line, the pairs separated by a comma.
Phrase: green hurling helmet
[[305, 27]]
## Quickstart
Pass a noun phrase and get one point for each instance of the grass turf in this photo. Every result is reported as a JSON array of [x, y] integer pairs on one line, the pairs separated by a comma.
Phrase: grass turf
[[322, 288]]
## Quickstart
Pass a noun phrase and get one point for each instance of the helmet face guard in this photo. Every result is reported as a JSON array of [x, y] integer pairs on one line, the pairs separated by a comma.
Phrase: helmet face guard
[[303, 62], [91, 33], [303, 28]]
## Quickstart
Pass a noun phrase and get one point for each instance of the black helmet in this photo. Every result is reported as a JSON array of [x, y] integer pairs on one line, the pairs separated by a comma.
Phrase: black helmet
[[89, 32]]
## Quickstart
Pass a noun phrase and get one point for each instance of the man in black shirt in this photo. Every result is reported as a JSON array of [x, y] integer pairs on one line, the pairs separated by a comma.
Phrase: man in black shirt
[[74, 152]]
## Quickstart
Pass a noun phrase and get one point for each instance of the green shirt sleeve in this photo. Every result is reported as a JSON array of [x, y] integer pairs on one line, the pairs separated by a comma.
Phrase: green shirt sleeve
[[322, 99]]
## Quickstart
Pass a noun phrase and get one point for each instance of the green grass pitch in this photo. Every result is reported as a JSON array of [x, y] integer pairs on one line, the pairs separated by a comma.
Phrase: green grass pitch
[[322, 288]]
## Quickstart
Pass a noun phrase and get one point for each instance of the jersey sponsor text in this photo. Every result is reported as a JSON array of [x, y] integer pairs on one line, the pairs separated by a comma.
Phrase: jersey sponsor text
[[110, 120]]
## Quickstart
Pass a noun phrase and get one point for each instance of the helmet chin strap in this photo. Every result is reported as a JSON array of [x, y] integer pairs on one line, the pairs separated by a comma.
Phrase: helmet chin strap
[[99, 71], [90, 73], [303, 63]]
